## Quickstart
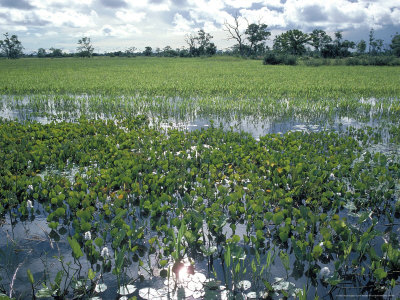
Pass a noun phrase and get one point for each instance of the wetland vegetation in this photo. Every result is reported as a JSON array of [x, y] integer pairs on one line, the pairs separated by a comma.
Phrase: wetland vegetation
[[203, 178]]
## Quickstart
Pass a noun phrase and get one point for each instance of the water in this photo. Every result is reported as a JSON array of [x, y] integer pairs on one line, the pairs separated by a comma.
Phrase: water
[[30, 244]]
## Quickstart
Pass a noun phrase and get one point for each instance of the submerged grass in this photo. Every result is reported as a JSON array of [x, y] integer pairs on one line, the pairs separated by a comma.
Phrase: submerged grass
[[225, 77]]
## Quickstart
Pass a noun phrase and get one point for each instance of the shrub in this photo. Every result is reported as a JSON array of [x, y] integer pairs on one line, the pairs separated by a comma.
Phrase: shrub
[[290, 60], [353, 61], [272, 58], [313, 62]]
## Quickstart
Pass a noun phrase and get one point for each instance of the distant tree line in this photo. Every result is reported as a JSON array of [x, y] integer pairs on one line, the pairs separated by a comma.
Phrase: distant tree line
[[250, 42]]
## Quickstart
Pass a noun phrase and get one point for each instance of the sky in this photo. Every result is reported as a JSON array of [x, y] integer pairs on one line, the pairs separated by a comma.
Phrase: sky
[[115, 25]]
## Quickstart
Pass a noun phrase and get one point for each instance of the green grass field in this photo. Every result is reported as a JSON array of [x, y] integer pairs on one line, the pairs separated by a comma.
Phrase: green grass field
[[217, 76]]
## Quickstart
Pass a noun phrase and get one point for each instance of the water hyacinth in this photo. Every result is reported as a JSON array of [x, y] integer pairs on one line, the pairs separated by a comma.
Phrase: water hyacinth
[[29, 204], [104, 252], [324, 272], [88, 236]]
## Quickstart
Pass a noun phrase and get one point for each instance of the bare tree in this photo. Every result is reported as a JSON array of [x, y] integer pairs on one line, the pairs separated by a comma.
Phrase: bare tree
[[190, 40], [130, 51], [234, 32]]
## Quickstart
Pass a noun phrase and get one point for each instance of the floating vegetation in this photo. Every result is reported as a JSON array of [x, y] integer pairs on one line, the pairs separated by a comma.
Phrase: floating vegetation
[[160, 193], [315, 197]]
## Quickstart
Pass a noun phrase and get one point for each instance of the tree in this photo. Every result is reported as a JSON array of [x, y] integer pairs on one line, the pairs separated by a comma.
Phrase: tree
[[292, 41], [169, 52], [338, 36], [371, 40], [395, 45], [190, 40], [130, 51], [148, 51], [319, 39], [11, 46], [257, 34], [377, 46], [344, 48], [203, 39], [55, 52], [200, 44], [211, 49], [234, 33], [85, 48], [361, 47], [338, 48], [41, 52]]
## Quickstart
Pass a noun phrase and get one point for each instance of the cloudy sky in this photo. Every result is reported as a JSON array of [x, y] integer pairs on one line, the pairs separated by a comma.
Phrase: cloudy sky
[[119, 24]]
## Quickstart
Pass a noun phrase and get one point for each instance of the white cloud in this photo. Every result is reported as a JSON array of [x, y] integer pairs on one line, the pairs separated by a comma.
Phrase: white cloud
[[160, 6], [162, 22], [340, 14], [14, 14], [123, 32], [129, 16], [60, 3], [182, 25], [209, 27], [212, 10], [272, 18], [68, 17], [273, 3], [241, 3], [19, 28], [137, 3]]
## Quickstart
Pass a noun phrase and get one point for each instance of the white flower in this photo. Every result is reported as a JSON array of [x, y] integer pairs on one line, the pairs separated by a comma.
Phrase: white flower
[[88, 236], [117, 146], [332, 176], [324, 272], [104, 252], [30, 187], [29, 204]]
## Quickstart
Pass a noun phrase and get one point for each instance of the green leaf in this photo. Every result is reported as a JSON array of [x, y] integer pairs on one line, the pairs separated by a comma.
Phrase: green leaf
[[4, 297], [45, 292], [278, 218], [30, 276], [227, 256], [380, 273], [58, 278], [91, 274], [76, 248], [285, 260], [99, 242], [163, 263], [236, 238], [317, 251]]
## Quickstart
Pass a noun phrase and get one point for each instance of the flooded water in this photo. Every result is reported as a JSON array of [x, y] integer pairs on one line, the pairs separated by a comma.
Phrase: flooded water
[[31, 244]]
